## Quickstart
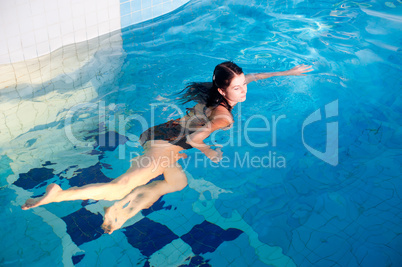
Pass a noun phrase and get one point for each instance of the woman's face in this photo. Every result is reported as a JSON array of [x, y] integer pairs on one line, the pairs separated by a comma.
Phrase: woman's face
[[237, 90]]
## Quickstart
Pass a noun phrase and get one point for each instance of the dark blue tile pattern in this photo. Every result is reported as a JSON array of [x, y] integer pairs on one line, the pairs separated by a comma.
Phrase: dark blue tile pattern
[[146, 235], [149, 236], [206, 237], [76, 259], [90, 175], [196, 261], [48, 163], [83, 226], [33, 178]]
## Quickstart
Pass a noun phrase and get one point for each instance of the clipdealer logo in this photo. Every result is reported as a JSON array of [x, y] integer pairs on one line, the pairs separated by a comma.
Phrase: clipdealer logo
[[330, 155], [114, 122]]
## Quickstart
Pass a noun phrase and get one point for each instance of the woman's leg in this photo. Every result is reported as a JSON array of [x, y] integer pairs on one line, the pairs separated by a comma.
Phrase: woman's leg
[[144, 168], [143, 197]]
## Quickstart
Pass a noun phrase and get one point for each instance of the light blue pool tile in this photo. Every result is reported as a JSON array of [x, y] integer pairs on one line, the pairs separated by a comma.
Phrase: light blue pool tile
[[156, 2], [136, 17], [146, 4], [123, 1], [158, 10], [176, 4], [108, 244], [125, 20], [146, 14], [125, 9], [5, 169], [135, 5], [237, 252], [182, 2], [168, 6]]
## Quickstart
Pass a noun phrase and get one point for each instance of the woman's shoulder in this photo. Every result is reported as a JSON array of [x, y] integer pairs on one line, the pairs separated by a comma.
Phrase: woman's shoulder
[[221, 110], [221, 113]]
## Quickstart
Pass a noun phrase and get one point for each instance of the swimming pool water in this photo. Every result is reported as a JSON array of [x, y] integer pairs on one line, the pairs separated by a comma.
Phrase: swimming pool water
[[81, 125]]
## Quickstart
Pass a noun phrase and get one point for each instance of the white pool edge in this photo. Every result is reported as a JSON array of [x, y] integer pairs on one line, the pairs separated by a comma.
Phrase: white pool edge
[[30, 29]]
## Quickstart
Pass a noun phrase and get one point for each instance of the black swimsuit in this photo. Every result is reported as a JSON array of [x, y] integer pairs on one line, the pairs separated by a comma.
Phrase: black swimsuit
[[173, 132], [170, 131]]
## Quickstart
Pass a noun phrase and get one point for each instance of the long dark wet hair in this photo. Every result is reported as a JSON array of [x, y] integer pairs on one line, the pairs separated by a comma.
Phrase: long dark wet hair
[[207, 92]]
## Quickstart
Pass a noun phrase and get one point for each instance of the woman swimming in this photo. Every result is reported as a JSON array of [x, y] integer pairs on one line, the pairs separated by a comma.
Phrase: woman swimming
[[162, 146]]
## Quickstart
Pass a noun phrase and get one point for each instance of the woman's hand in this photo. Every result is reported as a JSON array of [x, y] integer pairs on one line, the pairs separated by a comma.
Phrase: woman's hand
[[215, 155], [299, 70]]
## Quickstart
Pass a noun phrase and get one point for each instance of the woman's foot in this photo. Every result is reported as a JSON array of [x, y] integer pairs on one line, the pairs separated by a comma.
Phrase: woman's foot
[[114, 219], [120, 212], [51, 191]]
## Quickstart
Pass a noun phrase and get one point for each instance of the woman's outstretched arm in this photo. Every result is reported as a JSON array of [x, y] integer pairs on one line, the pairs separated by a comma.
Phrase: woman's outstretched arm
[[296, 71]]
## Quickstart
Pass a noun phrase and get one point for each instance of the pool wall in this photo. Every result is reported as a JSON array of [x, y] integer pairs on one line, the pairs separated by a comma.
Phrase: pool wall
[[30, 29]]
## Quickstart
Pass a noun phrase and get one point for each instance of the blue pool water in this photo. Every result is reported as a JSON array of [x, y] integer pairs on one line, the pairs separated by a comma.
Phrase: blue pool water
[[293, 205]]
